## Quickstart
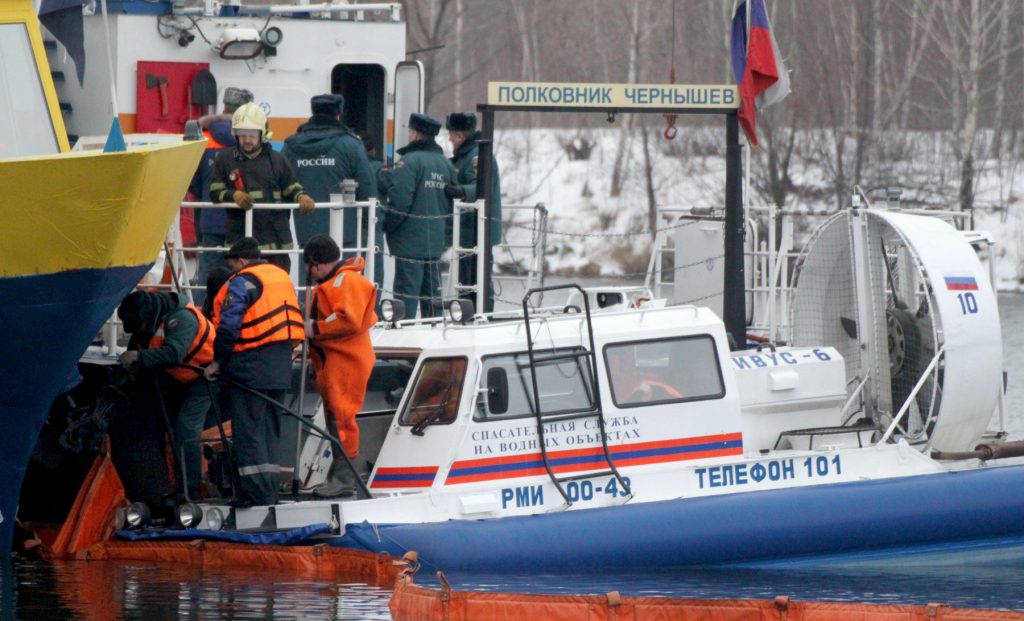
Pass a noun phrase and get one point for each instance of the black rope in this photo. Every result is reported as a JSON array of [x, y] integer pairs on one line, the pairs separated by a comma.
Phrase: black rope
[[363, 490]]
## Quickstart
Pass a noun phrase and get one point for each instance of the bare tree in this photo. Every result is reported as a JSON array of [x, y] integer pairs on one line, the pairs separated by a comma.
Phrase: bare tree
[[964, 39], [428, 29], [626, 124], [999, 128], [904, 65]]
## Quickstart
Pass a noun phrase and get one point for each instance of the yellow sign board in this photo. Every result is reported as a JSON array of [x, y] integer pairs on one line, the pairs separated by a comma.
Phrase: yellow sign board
[[623, 96]]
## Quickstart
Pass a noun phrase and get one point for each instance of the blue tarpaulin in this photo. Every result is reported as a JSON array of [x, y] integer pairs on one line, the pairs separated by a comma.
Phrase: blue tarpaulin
[[291, 537]]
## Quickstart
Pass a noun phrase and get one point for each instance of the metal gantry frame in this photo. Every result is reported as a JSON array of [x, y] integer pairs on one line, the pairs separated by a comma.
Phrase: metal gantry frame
[[734, 301]]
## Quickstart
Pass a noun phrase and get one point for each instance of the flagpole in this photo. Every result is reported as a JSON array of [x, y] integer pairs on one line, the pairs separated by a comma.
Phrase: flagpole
[[747, 148], [110, 58], [746, 6]]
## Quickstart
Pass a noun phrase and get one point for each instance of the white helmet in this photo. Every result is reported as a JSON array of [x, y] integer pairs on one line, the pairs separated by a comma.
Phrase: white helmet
[[250, 117]]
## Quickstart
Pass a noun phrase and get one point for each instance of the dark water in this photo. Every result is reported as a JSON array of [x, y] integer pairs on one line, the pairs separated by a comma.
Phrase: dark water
[[968, 576], [104, 590]]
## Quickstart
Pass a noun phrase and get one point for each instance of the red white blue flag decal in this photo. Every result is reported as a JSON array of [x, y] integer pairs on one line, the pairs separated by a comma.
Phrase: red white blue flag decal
[[756, 63], [961, 283]]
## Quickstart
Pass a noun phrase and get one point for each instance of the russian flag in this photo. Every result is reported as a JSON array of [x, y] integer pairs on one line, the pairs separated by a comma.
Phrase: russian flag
[[757, 64], [961, 283]]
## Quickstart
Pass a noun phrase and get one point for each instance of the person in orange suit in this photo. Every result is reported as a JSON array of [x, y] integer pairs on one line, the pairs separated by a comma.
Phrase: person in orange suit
[[341, 351]]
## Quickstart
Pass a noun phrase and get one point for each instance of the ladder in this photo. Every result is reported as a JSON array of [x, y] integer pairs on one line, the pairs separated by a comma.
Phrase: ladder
[[585, 360]]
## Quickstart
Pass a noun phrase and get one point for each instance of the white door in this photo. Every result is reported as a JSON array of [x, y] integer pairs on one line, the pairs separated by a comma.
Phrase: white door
[[408, 99]]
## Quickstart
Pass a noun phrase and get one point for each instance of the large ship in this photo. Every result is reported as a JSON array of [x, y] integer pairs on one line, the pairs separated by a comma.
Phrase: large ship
[[80, 230]]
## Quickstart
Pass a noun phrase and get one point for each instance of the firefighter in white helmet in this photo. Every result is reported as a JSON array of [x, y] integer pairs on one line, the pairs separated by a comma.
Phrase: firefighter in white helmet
[[252, 172]]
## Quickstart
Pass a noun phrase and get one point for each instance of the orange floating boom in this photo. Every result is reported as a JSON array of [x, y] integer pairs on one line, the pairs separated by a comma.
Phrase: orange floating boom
[[412, 602]]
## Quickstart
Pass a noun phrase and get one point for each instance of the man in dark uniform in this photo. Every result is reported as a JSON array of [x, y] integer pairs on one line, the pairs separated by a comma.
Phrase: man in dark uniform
[[258, 323], [323, 153], [253, 172], [175, 332], [465, 141], [418, 214]]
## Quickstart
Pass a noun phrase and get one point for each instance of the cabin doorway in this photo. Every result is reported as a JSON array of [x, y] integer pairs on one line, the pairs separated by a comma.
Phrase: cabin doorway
[[363, 87]]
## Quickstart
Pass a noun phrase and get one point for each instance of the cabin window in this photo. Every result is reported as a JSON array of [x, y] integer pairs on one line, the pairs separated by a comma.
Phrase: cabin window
[[564, 386], [663, 371], [25, 124], [387, 384], [436, 393]]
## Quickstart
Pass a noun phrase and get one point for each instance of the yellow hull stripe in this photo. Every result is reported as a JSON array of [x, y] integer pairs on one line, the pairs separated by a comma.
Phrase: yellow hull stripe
[[91, 209]]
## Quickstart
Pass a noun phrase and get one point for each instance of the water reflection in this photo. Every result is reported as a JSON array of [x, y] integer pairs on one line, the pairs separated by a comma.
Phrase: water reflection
[[102, 590]]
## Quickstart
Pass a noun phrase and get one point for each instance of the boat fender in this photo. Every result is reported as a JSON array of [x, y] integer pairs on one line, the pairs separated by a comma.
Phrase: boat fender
[[781, 604], [409, 564]]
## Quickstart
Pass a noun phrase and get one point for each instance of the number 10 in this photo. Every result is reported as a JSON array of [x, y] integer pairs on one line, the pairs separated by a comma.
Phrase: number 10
[[968, 304]]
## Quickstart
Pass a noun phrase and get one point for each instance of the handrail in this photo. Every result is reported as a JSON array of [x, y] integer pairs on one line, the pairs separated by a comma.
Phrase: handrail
[[336, 224], [913, 394], [535, 269], [843, 417]]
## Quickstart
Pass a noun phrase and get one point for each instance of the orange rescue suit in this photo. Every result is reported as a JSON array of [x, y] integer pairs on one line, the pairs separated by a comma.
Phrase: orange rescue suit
[[274, 316], [342, 352], [200, 350]]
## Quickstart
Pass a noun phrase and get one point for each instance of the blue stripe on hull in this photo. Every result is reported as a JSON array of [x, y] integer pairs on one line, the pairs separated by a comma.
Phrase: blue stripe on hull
[[47, 322], [811, 520]]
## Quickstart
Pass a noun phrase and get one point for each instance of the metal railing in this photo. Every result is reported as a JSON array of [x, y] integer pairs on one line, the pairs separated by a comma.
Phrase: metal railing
[[176, 255], [504, 254]]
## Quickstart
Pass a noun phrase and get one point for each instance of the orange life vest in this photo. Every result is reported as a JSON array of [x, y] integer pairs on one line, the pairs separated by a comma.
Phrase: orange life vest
[[211, 142], [200, 351], [274, 316]]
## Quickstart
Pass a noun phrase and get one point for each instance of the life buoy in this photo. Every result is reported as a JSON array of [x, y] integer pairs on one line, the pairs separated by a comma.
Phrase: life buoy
[[649, 390]]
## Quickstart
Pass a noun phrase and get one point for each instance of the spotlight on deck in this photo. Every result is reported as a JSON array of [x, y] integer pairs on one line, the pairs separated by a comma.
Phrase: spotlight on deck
[[214, 518], [190, 515], [460, 311], [272, 36], [392, 311], [137, 515], [239, 44]]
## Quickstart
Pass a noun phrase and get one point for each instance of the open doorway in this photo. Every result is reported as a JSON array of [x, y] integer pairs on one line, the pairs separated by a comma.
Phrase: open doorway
[[363, 87]]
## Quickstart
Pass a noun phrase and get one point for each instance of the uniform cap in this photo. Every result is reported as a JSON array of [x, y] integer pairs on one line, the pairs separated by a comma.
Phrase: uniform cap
[[330, 105], [424, 124], [245, 248], [142, 309], [235, 97], [460, 122], [321, 249]]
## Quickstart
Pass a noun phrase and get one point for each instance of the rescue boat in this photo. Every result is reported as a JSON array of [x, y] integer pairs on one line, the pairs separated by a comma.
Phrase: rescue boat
[[618, 431], [80, 229]]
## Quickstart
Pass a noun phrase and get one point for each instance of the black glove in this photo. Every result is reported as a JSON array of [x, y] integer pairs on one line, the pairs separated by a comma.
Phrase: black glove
[[453, 190], [384, 182]]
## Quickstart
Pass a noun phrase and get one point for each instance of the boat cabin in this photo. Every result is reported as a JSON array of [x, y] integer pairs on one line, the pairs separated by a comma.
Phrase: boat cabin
[[480, 403], [173, 63]]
